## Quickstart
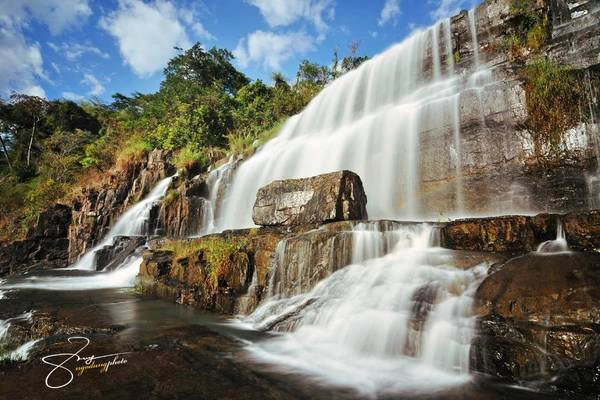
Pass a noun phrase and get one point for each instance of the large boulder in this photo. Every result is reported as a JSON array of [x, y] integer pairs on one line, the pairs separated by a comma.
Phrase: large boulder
[[337, 196], [112, 256], [539, 315]]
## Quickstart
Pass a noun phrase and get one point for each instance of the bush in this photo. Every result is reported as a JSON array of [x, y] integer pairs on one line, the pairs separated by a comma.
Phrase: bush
[[553, 98], [221, 255], [190, 158]]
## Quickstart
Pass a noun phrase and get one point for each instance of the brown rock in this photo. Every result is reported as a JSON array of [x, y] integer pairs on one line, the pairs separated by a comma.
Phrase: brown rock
[[514, 234], [539, 314], [338, 196], [582, 230]]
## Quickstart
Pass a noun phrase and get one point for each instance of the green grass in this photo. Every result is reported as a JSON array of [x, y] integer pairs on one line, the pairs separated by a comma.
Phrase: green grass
[[189, 157], [221, 255], [553, 96], [247, 145]]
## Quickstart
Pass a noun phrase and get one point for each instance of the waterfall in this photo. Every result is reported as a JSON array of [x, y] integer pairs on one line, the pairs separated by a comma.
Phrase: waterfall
[[121, 277], [370, 121], [217, 178], [474, 40], [401, 320], [133, 222], [557, 245]]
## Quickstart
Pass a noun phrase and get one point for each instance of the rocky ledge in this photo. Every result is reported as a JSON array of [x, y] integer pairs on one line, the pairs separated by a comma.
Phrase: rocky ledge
[[537, 314], [228, 272]]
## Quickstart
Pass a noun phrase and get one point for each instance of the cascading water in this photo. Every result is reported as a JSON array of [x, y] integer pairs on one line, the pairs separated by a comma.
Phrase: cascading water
[[369, 121], [216, 178], [396, 322], [83, 275], [557, 245], [134, 222]]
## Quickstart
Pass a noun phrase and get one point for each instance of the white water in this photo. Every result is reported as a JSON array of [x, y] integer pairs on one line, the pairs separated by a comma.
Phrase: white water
[[21, 353], [122, 277], [133, 222], [360, 327], [370, 121], [214, 181], [557, 245]]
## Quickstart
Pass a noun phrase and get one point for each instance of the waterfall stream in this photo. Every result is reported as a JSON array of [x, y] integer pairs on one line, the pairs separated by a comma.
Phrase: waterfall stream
[[370, 121], [398, 318], [133, 222], [82, 275]]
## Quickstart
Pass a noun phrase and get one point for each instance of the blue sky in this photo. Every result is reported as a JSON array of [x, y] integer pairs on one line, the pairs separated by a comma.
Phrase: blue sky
[[78, 49]]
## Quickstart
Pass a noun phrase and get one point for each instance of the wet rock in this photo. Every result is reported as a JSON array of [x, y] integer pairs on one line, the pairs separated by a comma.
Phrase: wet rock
[[46, 245], [303, 260], [511, 234], [539, 315], [582, 230], [192, 279], [312, 201], [110, 257], [182, 213], [100, 204]]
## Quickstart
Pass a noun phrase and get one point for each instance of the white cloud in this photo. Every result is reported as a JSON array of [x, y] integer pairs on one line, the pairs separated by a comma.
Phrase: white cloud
[[389, 13], [73, 51], [446, 8], [21, 64], [190, 17], [57, 15], [271, 49], [279, 13], [72, 96], [96, 88], [55, 67], [146, 34]]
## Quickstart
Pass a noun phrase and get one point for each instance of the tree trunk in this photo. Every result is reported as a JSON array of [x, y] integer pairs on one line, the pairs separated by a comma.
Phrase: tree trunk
[[35, 121], [5, 152]]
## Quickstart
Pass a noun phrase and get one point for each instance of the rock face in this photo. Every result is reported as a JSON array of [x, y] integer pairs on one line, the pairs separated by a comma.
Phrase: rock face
[[500, 172], [182, 213], [539, 315], [513, 234], [96, 209], [46, 245], [518, 234], [338, 196], [582, 230], [191, 280], [112, 256], [303, 260]]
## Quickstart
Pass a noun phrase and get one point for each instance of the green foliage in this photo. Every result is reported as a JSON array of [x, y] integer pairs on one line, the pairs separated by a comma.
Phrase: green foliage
[[40, 197], [538, 35], [553, 99], [134, 149], [205, 109], [190, 157], [221, 255], [530, 28], [96, 154]]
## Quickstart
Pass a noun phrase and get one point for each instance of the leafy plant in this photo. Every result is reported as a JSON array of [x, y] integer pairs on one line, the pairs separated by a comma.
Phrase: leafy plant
[[222, 255], [553, 98]]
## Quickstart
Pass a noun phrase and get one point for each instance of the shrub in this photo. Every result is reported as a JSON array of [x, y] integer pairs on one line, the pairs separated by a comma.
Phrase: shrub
[[190, 158], [221, 255], [553, 97]]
